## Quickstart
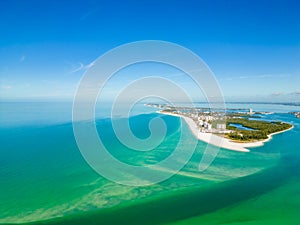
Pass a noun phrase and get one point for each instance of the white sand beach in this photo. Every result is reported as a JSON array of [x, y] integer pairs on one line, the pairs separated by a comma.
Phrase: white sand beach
[[218, 141]]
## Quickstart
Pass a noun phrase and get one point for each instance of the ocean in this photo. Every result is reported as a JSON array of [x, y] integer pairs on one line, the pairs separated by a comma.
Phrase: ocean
[[45, 180]]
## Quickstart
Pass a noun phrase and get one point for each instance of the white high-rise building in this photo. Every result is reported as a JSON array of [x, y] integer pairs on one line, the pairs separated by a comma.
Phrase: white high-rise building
[[250, 111]]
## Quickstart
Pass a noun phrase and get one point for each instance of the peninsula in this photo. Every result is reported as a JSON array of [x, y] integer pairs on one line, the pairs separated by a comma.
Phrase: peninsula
[[232, 130]]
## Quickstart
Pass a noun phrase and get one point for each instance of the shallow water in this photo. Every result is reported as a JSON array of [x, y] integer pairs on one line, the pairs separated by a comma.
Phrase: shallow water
[[43, 176]]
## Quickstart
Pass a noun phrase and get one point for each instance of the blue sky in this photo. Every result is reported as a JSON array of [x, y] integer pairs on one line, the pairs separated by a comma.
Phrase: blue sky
[[253, 47]]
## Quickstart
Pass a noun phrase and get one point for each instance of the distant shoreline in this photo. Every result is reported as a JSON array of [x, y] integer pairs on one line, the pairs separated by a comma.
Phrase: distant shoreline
[[222, 142]]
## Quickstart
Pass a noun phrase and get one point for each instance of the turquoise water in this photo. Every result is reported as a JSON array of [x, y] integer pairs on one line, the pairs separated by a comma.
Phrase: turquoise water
[[43, 176]]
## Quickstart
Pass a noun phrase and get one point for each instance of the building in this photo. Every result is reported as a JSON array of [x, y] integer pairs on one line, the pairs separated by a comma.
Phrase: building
[[221, 126], [250, 111], [209, 127]]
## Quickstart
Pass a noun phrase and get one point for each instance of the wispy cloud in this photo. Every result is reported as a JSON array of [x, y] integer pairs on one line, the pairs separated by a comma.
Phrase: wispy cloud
[[255, 77], [22, 59], [87, 14], [6, 87], [90, 65], [278, 93], [262, 76], [82, 67], [296, 93]]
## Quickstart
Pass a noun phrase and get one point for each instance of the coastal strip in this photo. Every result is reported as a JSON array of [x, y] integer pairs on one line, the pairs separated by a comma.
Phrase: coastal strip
[[219, 141]]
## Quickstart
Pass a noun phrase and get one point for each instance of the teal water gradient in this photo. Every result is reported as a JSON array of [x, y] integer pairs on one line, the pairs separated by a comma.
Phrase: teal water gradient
[[43, 176]]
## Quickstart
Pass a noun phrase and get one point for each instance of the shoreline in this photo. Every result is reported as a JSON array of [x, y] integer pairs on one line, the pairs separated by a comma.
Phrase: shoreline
[[222, 142]]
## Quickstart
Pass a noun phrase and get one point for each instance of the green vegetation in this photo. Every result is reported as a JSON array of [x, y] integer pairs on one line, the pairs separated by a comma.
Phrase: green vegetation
[[261, 129]]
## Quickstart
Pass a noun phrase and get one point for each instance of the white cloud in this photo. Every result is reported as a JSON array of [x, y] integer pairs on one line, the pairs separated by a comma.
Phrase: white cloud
[[278, 93], [296, 93]]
